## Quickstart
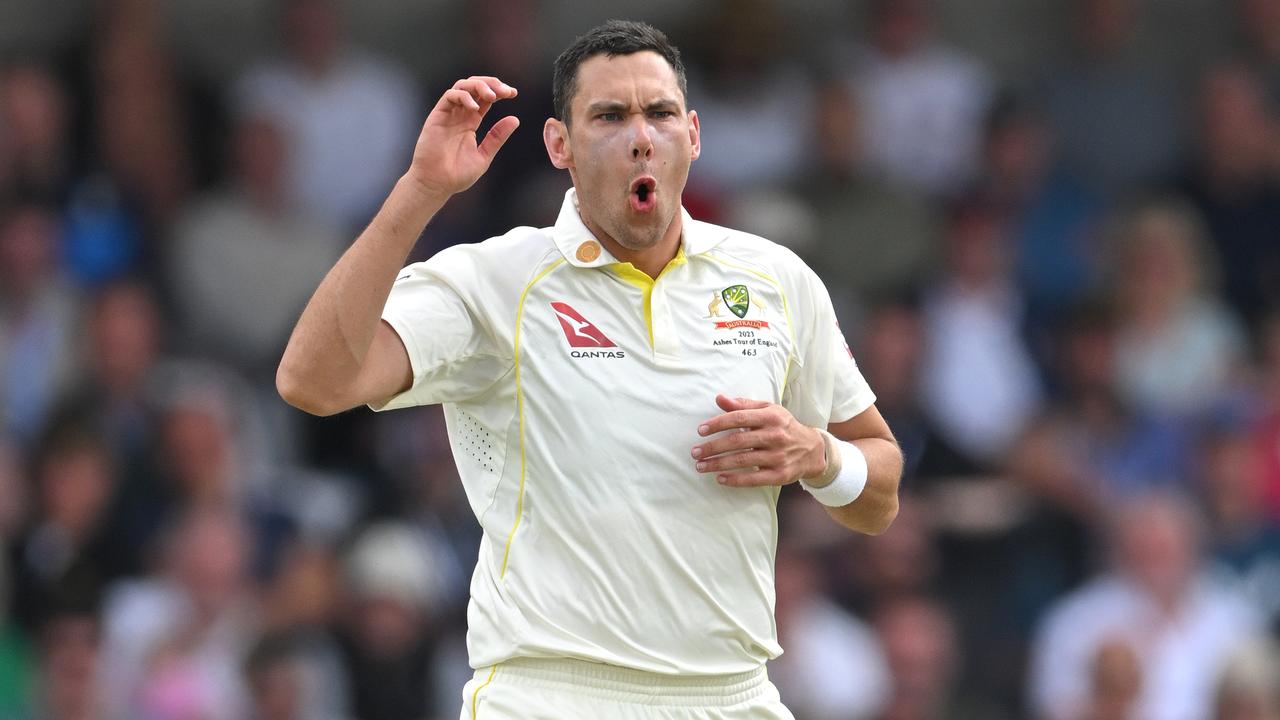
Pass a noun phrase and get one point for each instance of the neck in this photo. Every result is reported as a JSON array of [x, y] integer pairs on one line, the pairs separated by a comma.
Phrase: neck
[[648, 260]]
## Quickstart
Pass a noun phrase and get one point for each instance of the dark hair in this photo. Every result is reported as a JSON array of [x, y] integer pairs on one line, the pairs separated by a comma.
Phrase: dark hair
[[615, 37]]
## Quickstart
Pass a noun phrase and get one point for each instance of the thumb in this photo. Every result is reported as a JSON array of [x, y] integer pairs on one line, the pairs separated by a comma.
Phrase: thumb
[[729, 404], [498, 135]]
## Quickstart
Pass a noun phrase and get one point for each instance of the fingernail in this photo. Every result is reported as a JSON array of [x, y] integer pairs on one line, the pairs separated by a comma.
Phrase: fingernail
[[697, 452], [702, 466], [703, 429], [722, 479]]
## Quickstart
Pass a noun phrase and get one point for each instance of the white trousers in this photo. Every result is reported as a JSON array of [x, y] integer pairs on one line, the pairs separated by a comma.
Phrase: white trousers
[[554, 689]]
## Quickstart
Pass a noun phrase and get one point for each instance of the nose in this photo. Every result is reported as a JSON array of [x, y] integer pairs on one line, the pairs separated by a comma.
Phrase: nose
[[641, 142]]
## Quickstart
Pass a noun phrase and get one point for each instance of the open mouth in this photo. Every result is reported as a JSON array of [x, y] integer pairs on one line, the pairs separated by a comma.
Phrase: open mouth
[[643, 195]]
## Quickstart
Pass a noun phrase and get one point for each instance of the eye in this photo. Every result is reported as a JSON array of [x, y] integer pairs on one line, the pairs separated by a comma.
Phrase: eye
[[609, 116], [662, 114]]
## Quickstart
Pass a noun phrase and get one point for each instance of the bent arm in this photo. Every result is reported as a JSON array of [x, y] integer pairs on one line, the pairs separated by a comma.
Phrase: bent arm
[[341, 355], [877, 506]]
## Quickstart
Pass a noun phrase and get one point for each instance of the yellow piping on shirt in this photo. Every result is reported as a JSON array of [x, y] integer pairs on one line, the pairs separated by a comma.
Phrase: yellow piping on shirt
[[786, 311], [520, 410], [475, 696], [634, 276]]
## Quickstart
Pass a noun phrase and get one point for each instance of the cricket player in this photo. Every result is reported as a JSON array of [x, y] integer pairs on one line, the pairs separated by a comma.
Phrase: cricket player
[[626, 392]]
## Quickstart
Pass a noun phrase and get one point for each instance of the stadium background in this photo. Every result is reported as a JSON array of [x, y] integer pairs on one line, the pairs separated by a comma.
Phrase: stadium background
[[1051, 229]]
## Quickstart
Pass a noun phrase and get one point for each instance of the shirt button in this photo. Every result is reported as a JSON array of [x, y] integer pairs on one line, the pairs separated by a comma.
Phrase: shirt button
[[588, 251]]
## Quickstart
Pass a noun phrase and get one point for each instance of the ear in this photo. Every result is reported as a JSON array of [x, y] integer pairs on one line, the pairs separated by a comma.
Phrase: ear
[[695, 135], [555, 135]]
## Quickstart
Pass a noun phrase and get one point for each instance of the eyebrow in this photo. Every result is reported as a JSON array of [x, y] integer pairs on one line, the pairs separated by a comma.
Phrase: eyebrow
[[662, 104], [602, 106]]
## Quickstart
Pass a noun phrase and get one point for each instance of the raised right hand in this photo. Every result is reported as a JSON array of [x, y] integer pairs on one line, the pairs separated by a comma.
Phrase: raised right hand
[[448, 159]]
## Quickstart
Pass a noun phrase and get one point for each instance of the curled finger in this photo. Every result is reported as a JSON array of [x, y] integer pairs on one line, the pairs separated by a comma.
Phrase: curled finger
[[461, 98]]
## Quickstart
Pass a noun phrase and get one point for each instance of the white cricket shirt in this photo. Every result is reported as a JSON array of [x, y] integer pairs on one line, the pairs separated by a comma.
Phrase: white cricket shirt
[[573, 387]]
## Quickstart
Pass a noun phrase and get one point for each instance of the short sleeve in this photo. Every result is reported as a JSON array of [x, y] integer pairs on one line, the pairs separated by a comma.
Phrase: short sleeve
[[452, 350], [825, 385]]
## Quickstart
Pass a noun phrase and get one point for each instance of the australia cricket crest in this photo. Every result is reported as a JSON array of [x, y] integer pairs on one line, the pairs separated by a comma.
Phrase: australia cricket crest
[[737, 298]]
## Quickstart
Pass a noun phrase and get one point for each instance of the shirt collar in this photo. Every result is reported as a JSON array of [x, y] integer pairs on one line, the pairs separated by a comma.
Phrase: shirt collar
[[581, 249]]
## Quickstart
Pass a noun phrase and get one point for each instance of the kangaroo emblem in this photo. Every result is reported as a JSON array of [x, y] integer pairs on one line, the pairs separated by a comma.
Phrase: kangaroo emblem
[[713, 308]]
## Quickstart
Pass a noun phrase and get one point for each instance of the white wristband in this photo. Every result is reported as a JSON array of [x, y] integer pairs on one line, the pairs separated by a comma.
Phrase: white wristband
[[850, 481]]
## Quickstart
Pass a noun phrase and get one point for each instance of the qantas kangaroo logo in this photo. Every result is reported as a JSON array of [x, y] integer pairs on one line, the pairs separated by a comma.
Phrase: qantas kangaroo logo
[[582, 334], [577, 330]]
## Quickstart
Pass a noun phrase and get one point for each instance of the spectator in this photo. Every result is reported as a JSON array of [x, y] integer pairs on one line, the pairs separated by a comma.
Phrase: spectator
[[866, 573], [117, 398], [1243, 536], [123, 332], [276, 676], [832, 667], [177, 640], [300, 611], [38, 319], [872, 238], [889, 353], [414, 449], [1179, 622], [71, 662], [206, 460], [37, 156], [1051, 215], [245, 260], [924, 103], [759, 100], [920, 643], [139, 121], [35, 153], [1093, 447], [1177, 348], [1115, 116], [390, 624], [68, 547], [979, 385], [504, 38], [350, 119], [1235, 185]]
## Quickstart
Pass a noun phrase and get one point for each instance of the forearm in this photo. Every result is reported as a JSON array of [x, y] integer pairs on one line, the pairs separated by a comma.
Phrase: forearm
[[331, 341], [877, 506]]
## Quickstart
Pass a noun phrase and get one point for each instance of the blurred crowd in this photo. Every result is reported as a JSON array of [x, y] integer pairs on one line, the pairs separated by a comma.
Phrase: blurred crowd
[[1058, 268]]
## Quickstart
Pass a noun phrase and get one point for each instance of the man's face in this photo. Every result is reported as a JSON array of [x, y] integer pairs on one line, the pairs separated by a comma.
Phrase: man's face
[[628, 146]]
